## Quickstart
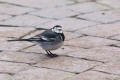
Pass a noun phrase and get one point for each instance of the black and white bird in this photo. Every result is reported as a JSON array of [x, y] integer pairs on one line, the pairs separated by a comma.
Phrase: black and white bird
[[50, 39]]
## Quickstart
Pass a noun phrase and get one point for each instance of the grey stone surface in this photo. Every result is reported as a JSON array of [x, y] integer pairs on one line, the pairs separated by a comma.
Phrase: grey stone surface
[[93, 75], [67, 64], [13, 10], [4, 17], [25, 20], [111, 67], [16, 45], [87, 7], [102, 16], [103, 54], [104, 30], [42, 74], [56, 13], [21, 57], [5, 77], [70, 24], [11, 67], [111, 3], [89, 42], [40, 3], [16, 32]]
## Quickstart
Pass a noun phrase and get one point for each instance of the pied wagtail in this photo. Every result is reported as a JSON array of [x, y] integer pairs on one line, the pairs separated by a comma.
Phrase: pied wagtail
[[50, 39]]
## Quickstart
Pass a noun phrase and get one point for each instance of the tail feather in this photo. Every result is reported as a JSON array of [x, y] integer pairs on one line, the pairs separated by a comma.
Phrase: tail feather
[[20, 40]]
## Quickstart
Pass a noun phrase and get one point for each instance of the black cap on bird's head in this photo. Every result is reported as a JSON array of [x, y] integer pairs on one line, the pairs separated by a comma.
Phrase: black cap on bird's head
[[57, 29]]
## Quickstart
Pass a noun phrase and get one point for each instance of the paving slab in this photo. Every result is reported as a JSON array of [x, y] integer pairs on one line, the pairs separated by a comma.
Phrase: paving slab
[[103, 54], [4, 17], [93, 75], [111, 67], [116, 37], [16, 45], [42, 74], [5, 77], [87, 7], [40, 3], [67, 64], [102, 16], [70, 24], [56, 13], [11, 67], [89, 42], [13, 10], [111, 3], [21, 57], [103, 30], [16, 32], [25, 20]]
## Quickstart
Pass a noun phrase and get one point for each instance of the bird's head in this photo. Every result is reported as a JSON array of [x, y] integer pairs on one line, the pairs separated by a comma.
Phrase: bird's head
[[57, 29]]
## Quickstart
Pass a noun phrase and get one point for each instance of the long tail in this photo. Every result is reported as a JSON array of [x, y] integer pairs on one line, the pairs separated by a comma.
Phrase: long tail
[[20, 40]]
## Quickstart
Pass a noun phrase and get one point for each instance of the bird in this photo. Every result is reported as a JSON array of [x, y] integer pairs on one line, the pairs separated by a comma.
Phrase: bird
[[50, 39]]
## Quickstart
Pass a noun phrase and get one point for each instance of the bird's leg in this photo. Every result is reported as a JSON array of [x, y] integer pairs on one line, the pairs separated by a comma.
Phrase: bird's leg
[[53, 55], [47, 52], [50, 54]]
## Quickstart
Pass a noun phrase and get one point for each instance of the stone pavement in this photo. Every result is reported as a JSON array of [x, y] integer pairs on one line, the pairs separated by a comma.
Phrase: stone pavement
[[91, 50]]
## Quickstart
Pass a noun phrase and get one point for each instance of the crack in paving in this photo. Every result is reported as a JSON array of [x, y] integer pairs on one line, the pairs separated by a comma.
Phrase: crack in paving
[[78, 46], [11, 74], [106, 72], [17, 62], [106, 5], [84, 59], [3, 25], [19, 5], [101, 37], [58, 69], [26, 47], [114, 45], [27, 34]]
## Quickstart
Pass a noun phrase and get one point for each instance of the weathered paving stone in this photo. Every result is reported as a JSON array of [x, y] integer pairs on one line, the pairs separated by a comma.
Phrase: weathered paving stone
[[103, 54], [56, 13], [21, 57], [70, 24], [116, 37], [42, 74], [93, 75], [16, 45], [110, 3], [10, 67], [87, 7], [14, 31], [111, 67], [104, 30], [13, 10], [67, 64], [70, 35], [6, 77], [25, 20], [41, 3], [4, 17], [34, 49], [102, 16], [89, 42], [34, 33], [81, 1]]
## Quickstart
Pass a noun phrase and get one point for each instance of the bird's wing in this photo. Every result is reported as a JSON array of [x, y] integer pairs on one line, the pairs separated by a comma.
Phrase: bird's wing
[[45, 36]]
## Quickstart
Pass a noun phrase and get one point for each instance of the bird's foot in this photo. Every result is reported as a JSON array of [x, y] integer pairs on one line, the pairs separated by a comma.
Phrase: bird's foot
[[52, 55]]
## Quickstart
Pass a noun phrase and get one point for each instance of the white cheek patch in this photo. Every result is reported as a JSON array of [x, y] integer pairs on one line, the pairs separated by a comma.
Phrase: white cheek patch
[[57, 30]]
